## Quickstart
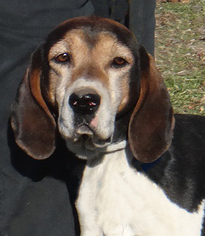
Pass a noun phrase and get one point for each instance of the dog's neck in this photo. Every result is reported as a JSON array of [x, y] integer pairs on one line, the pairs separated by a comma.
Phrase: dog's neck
[[122, 149], [113, 149], [116, 147]]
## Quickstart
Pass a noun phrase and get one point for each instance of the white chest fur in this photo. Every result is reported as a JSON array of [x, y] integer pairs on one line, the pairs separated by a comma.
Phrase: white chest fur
[[115, 200]]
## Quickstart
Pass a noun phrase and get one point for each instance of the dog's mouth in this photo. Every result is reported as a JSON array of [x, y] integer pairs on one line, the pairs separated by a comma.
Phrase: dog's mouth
[[89, 139]]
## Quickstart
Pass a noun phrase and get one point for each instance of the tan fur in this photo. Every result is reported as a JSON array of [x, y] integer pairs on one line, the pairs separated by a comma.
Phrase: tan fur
[[91, 58]]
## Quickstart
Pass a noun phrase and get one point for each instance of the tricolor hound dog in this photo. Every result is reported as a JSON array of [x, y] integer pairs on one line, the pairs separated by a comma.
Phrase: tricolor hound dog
[[92, 84]]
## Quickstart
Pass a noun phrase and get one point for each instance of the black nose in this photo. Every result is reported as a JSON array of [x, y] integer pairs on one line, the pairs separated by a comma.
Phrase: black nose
[[84, 104]]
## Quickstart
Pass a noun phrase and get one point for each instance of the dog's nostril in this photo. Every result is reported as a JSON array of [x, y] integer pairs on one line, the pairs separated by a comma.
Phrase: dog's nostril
[[84, 104]]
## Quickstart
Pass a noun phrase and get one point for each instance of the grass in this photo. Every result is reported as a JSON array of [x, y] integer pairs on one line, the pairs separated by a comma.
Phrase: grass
[[180, 53]]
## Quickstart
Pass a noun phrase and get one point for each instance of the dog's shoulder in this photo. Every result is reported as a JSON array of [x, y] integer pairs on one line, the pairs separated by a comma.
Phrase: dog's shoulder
[[180, 170]]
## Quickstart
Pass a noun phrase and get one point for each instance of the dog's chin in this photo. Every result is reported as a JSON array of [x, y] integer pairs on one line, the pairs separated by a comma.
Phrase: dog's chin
[[88, 147]]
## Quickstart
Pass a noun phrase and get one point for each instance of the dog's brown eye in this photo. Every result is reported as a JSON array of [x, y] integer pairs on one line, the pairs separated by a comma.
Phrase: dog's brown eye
[[119, 62], [64, 57]]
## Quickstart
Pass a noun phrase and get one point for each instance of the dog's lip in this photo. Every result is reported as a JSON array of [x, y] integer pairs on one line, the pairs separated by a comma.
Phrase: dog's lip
[[101, 143], [90, 140], [92, 143], [84, 129]]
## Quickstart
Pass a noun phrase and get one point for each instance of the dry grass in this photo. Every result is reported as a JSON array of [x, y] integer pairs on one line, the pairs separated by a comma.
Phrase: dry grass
[[180, 53]]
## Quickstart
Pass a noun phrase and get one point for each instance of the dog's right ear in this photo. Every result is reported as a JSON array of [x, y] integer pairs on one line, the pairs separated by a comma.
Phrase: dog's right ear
[[33, 125]]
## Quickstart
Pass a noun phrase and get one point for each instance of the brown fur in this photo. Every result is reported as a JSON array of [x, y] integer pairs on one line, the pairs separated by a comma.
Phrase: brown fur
[[91, 56]]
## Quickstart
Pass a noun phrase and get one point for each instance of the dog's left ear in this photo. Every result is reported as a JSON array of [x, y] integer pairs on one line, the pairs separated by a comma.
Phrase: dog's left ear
[[151, 123]]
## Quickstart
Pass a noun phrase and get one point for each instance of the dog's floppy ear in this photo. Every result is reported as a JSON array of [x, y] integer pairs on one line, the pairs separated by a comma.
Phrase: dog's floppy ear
[[151, 123], [34, 126]]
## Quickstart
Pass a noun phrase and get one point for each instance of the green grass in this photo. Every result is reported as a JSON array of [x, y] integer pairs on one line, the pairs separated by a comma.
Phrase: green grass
[[180, 53]]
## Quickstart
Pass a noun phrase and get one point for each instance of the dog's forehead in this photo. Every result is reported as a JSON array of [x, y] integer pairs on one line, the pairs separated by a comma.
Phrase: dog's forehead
[[84, 44], [93, 26], [89, 37]]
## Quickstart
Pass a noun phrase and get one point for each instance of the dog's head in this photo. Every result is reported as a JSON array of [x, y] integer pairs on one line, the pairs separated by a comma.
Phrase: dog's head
[[94, 85]]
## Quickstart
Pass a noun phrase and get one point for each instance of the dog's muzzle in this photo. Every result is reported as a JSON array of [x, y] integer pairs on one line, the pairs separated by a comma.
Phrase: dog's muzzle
[[85, 104]]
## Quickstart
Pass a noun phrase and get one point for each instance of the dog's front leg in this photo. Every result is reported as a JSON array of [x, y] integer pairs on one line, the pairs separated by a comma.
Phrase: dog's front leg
[[85, 205], [87, 219], [86, 231]]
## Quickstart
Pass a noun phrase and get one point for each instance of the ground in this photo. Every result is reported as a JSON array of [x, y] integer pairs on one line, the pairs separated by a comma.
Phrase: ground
[[180, 53]]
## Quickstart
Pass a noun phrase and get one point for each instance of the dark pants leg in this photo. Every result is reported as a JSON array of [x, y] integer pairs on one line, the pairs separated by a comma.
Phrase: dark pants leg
[[142, 22], [137, 15]]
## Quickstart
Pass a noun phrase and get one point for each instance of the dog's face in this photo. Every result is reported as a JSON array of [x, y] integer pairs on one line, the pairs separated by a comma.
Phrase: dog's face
[[92, 83]]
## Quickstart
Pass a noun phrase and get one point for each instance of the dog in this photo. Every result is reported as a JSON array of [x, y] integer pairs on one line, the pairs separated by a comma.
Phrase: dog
[[95, 86]]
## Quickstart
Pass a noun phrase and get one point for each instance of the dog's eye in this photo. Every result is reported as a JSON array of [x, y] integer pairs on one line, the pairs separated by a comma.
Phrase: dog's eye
[[119, 62], [64, 57]]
